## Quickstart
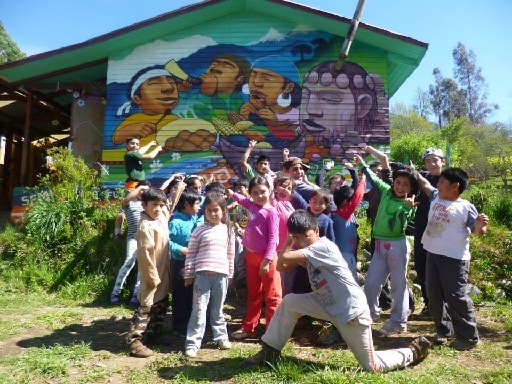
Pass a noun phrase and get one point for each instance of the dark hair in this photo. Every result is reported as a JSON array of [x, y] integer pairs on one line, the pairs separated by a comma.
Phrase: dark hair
[[215, 186], [409, 174], [217, 197], [324, 194], [190, 180], [153, 194], [130, 138], [187, 196], [262, 158], [456, 175], [258, 180], [342, 194], [301, 221], [283, 178], [241, 182]]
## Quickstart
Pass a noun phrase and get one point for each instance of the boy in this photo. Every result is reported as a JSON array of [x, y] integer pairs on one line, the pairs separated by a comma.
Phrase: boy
[[133, 160], [446, 240], [336, 297], [153, 261], [262, 165], [433, 159]]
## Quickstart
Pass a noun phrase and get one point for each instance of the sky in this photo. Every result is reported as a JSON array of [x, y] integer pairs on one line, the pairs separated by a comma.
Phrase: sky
[[482, 26]]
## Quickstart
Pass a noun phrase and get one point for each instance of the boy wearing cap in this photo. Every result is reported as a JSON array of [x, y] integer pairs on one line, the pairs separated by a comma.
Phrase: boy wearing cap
[[433, 160], [297, 170]]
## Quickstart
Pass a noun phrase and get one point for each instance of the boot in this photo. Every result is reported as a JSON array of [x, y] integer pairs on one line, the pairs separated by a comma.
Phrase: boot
[[267, 355], [137, 349], [420, 348]]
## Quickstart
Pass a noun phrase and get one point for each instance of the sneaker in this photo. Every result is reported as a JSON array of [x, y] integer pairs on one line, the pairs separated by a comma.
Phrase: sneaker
[[328, 335], [420, 348], [440, 340], [239, 334], [390, 329], [134, 301], [460, 345], [266, 355], [114, 299], [376, 318], [191, 352], [137, 349], [224, 344]]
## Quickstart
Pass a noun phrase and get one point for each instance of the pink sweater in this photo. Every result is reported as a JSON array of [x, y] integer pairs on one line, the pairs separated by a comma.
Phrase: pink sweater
[[210, 249], [262, 231]]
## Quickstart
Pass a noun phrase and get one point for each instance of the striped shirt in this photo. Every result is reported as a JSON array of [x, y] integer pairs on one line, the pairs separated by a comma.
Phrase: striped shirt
[[132, 212], [209, 250]]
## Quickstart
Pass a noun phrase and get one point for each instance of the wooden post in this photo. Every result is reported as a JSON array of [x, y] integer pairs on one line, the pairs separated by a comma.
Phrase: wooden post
[[26, 141], [350, 35]]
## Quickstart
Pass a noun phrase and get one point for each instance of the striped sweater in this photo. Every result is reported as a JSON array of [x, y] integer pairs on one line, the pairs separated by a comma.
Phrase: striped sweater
[[210, 250]]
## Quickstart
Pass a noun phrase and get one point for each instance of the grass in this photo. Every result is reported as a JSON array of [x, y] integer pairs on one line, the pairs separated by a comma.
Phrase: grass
[[46, 338]]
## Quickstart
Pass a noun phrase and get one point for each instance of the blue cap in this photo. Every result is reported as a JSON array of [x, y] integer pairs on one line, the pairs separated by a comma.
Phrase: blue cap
[[279, 65]]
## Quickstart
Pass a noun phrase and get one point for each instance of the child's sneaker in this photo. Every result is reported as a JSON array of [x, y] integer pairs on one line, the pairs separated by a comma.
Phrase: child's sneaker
[[239, 334], [114, 299], [390, 329], [328, 335], [191, 352], [420, 348], [224, 344], [137, 349]]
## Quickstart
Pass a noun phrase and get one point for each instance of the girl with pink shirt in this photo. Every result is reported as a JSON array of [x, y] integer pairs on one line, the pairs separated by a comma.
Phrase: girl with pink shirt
[[260, 240]]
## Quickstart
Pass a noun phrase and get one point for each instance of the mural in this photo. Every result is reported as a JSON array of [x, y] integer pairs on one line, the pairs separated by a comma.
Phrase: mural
[[202, 100]]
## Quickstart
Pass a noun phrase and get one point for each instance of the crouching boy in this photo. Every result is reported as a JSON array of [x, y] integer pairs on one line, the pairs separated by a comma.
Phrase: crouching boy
[[336, 297]]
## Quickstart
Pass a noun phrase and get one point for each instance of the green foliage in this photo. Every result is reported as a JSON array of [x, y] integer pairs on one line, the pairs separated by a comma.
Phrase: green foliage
[[9, 50], [66, 236], [502, 165], [411, 146]]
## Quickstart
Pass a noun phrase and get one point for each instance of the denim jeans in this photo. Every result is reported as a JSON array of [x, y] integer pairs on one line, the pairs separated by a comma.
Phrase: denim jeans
[[209, 290]]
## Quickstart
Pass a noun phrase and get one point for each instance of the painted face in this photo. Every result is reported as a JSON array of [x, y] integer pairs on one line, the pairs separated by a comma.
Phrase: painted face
[[213, 213], [296, 172], [154, 208], [327, 109], [264, 87], [305, 239], [283, 192], [401, 186], [433, 164], [157, 95], [317, 205], [227, 73], [133, 145], [260, 194]]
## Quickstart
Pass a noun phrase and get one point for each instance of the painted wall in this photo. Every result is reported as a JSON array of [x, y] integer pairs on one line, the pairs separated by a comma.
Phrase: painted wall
[[205, 92]]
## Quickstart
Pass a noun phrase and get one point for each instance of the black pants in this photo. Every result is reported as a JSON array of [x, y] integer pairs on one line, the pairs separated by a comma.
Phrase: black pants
[[181, 298]]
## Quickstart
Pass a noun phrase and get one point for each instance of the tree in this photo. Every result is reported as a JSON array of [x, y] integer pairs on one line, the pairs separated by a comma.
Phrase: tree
[[422, 105], [407, 120], [446, 99], [502, 165], [472, 82], [9, 50]]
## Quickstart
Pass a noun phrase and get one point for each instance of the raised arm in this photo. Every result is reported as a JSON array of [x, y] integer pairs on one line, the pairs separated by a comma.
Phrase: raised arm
[[383, 158], [245, 157]]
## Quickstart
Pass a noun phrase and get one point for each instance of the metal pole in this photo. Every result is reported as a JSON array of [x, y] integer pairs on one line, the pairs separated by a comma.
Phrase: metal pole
[[25, 153], [350, 35]]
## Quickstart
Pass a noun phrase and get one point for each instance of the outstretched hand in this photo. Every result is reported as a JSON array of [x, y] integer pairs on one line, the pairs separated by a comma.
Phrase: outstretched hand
[[411, 201]]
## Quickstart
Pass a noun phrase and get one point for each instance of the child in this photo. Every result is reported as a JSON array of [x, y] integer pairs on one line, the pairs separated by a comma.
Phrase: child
[[262, 165], [347, 199], [185, 219], [132, 207], [336, 297], [392, 249], [283, 187], [433, 160], [260, 240], [446, 240], [133, 160], [153, 261], [209, 267]]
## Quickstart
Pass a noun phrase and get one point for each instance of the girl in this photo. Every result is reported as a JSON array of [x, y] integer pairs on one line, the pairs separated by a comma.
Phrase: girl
[[209, 267], [184, 220], [260, 240], [283, 188], [392, 249]]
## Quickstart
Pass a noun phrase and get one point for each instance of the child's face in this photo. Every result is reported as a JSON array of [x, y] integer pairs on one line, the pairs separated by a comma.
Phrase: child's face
[[260, 194], [336, 182], [302, 240], [154, 208], [133, 145], [447, 190], [213, 213], [192, 209], [242, 189], [296, 172], [157, 95], [283, 192], [433, 164], [196, 186], [263, 167], [401, 186], [317, 205]]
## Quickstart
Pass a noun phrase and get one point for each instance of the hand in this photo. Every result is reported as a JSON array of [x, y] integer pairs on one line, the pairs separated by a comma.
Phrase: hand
[[188, 282], [410, 201], [286, 152], [264, 267], [329, 165], [252, 143]]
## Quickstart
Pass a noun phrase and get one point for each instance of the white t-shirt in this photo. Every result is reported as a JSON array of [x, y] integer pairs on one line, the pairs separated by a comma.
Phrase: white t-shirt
[[449, 225], [332, 282]]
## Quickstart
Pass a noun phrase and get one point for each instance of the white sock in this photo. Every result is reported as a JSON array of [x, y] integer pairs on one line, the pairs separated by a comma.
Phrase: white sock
[[117, 231]]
